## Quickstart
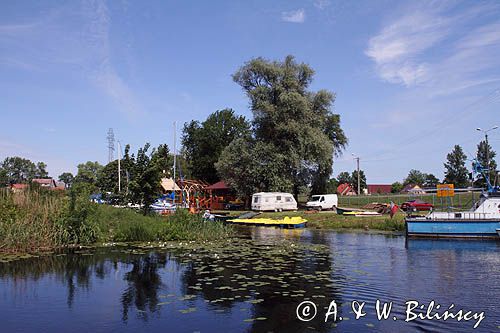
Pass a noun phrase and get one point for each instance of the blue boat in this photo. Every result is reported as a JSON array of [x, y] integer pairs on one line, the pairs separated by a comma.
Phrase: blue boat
[[483, 221]]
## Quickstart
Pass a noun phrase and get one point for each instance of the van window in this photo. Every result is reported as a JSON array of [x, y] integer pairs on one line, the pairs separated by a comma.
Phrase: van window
[[322, 199], [315, 198], [278, 198], [288, 199], [256, 199]]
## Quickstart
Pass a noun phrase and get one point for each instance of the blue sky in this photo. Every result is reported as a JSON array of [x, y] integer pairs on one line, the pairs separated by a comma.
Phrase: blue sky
[[412, 78]]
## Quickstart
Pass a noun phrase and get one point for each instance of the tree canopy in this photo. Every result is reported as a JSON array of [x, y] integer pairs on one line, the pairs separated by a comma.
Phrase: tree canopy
[[486, 156], [67, 178], [21, 170], [204, 142], [294, 132], [88, 172], [415, 177], [455, 170]]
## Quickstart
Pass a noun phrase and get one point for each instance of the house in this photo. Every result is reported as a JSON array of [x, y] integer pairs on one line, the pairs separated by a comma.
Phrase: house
[[18, 187], [379, 189], [49, 183], [413, 189], [345, 189]]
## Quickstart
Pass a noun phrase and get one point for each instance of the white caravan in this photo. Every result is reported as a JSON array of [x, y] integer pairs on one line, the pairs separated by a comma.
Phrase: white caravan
[[323, 201], [276, 201]]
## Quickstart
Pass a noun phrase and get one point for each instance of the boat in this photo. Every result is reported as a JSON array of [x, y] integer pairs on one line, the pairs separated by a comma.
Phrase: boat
[[342, 211], [362, 213], [498, 232], [286, 222], [482, 221]]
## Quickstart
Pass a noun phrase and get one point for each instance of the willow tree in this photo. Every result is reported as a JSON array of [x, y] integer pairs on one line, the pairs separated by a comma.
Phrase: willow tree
[[295, 134]]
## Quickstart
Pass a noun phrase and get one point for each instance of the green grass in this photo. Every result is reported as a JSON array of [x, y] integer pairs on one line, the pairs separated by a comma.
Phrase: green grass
[[37, 220], [463, 200]]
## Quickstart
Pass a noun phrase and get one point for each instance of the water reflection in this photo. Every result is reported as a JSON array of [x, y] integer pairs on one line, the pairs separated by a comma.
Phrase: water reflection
[[254, 283]]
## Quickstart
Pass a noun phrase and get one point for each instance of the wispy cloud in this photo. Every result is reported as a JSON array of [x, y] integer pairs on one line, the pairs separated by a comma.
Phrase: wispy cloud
[[432, 48], [294, 16], [75, 37], [321, 4]]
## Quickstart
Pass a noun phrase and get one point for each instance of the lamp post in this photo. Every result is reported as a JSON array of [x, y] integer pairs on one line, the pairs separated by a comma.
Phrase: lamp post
[[487, 146], [359, 181]]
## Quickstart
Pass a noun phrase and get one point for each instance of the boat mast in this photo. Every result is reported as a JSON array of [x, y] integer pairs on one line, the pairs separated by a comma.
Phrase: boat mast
[[119, 167], [175, 153]]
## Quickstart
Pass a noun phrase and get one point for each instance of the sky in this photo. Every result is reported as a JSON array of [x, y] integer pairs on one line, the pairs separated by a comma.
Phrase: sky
[[411, 78]]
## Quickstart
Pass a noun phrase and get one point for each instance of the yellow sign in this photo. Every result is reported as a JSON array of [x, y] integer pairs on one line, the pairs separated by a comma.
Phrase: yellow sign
[[445, 190]]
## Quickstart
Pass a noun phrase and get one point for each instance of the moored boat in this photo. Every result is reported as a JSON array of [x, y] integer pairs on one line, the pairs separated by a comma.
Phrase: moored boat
[[483, 221], [286, 222]]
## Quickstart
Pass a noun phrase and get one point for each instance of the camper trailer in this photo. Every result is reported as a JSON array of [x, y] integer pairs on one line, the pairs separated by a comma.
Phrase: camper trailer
[[323, 201], [275, 201]]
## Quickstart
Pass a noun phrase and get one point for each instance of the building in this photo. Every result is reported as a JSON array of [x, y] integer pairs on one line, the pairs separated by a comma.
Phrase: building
[[413, 189], [48, 183], [18, 187], [379, 189], [345, 189]]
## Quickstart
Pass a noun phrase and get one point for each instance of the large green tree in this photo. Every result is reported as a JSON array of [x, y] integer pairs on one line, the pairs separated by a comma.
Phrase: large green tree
[[430, 180], [294, 126], [486, 156], [362, 180], [455, 170], [204, 142], [21, 170], [415, 177], [344, 178], [88, 172]]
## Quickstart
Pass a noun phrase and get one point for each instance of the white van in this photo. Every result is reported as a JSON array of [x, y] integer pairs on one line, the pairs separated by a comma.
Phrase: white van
[[323, 201], [276, 201]]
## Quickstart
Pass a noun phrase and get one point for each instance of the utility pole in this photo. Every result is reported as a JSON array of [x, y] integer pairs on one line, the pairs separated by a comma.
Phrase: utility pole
[[119, 167], [359, 179], [175, 156]]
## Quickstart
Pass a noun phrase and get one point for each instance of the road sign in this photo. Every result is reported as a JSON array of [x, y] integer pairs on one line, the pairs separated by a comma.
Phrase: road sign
[[445, 190]]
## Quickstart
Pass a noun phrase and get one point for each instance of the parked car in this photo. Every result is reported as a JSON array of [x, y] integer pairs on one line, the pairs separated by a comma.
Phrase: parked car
[[416, 205], [323, 201]]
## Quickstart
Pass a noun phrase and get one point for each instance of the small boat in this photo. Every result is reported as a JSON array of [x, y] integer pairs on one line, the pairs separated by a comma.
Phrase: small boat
[[482, 221], [342, 211], [363, 214], [498, 232], [286, 222]]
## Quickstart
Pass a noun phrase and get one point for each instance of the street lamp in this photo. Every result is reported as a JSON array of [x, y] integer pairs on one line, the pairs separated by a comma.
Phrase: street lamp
[[487, 147], [359, 182]]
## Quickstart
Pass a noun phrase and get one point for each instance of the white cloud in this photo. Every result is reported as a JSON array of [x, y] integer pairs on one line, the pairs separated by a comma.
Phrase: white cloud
[[75, 37], [294, 16], [433, 49], [321, 4]]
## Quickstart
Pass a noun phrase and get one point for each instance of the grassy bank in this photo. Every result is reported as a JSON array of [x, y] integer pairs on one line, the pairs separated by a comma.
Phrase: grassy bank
[[35, 220]]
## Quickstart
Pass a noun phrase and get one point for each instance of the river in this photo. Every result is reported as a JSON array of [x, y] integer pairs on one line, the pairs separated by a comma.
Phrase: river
[[254, 284]]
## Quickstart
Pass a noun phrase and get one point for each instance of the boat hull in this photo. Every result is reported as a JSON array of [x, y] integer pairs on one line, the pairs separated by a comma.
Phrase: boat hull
[[462, 228]]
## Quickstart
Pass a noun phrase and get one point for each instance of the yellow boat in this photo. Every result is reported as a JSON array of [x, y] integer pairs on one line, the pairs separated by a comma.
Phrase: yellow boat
[[286, 222]]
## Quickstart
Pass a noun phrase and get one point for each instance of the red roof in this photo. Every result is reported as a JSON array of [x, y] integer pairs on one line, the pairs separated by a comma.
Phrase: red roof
[[218, 186], [19, 186], [379, 188], [344, 189], [43, 180]]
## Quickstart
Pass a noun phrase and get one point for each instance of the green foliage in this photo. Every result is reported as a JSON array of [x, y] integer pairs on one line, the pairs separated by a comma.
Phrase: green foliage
[[67, 178], [295, 134], [396, 187], [21, 170], [88, 172], [362, 180], [415, 177], [455, 170], [203, 143], [430, 180], [344, 178], [331, 186], [486, 156]]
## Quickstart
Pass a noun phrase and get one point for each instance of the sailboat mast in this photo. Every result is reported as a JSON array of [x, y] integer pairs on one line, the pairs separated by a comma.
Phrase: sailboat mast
[[175, 159]]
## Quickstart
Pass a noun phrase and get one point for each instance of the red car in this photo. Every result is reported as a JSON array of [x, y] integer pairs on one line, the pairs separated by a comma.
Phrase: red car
[[416, 205]]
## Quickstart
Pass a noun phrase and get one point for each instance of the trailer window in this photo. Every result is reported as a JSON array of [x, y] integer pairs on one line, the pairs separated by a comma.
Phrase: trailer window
[[288, 199], [278, 198], [256, 199]]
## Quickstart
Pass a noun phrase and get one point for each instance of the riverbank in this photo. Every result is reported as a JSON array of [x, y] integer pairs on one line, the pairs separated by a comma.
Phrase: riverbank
[[33, 221], [333, 221]]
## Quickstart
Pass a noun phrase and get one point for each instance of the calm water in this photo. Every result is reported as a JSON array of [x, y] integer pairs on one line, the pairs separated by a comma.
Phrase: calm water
[[252, 285]]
